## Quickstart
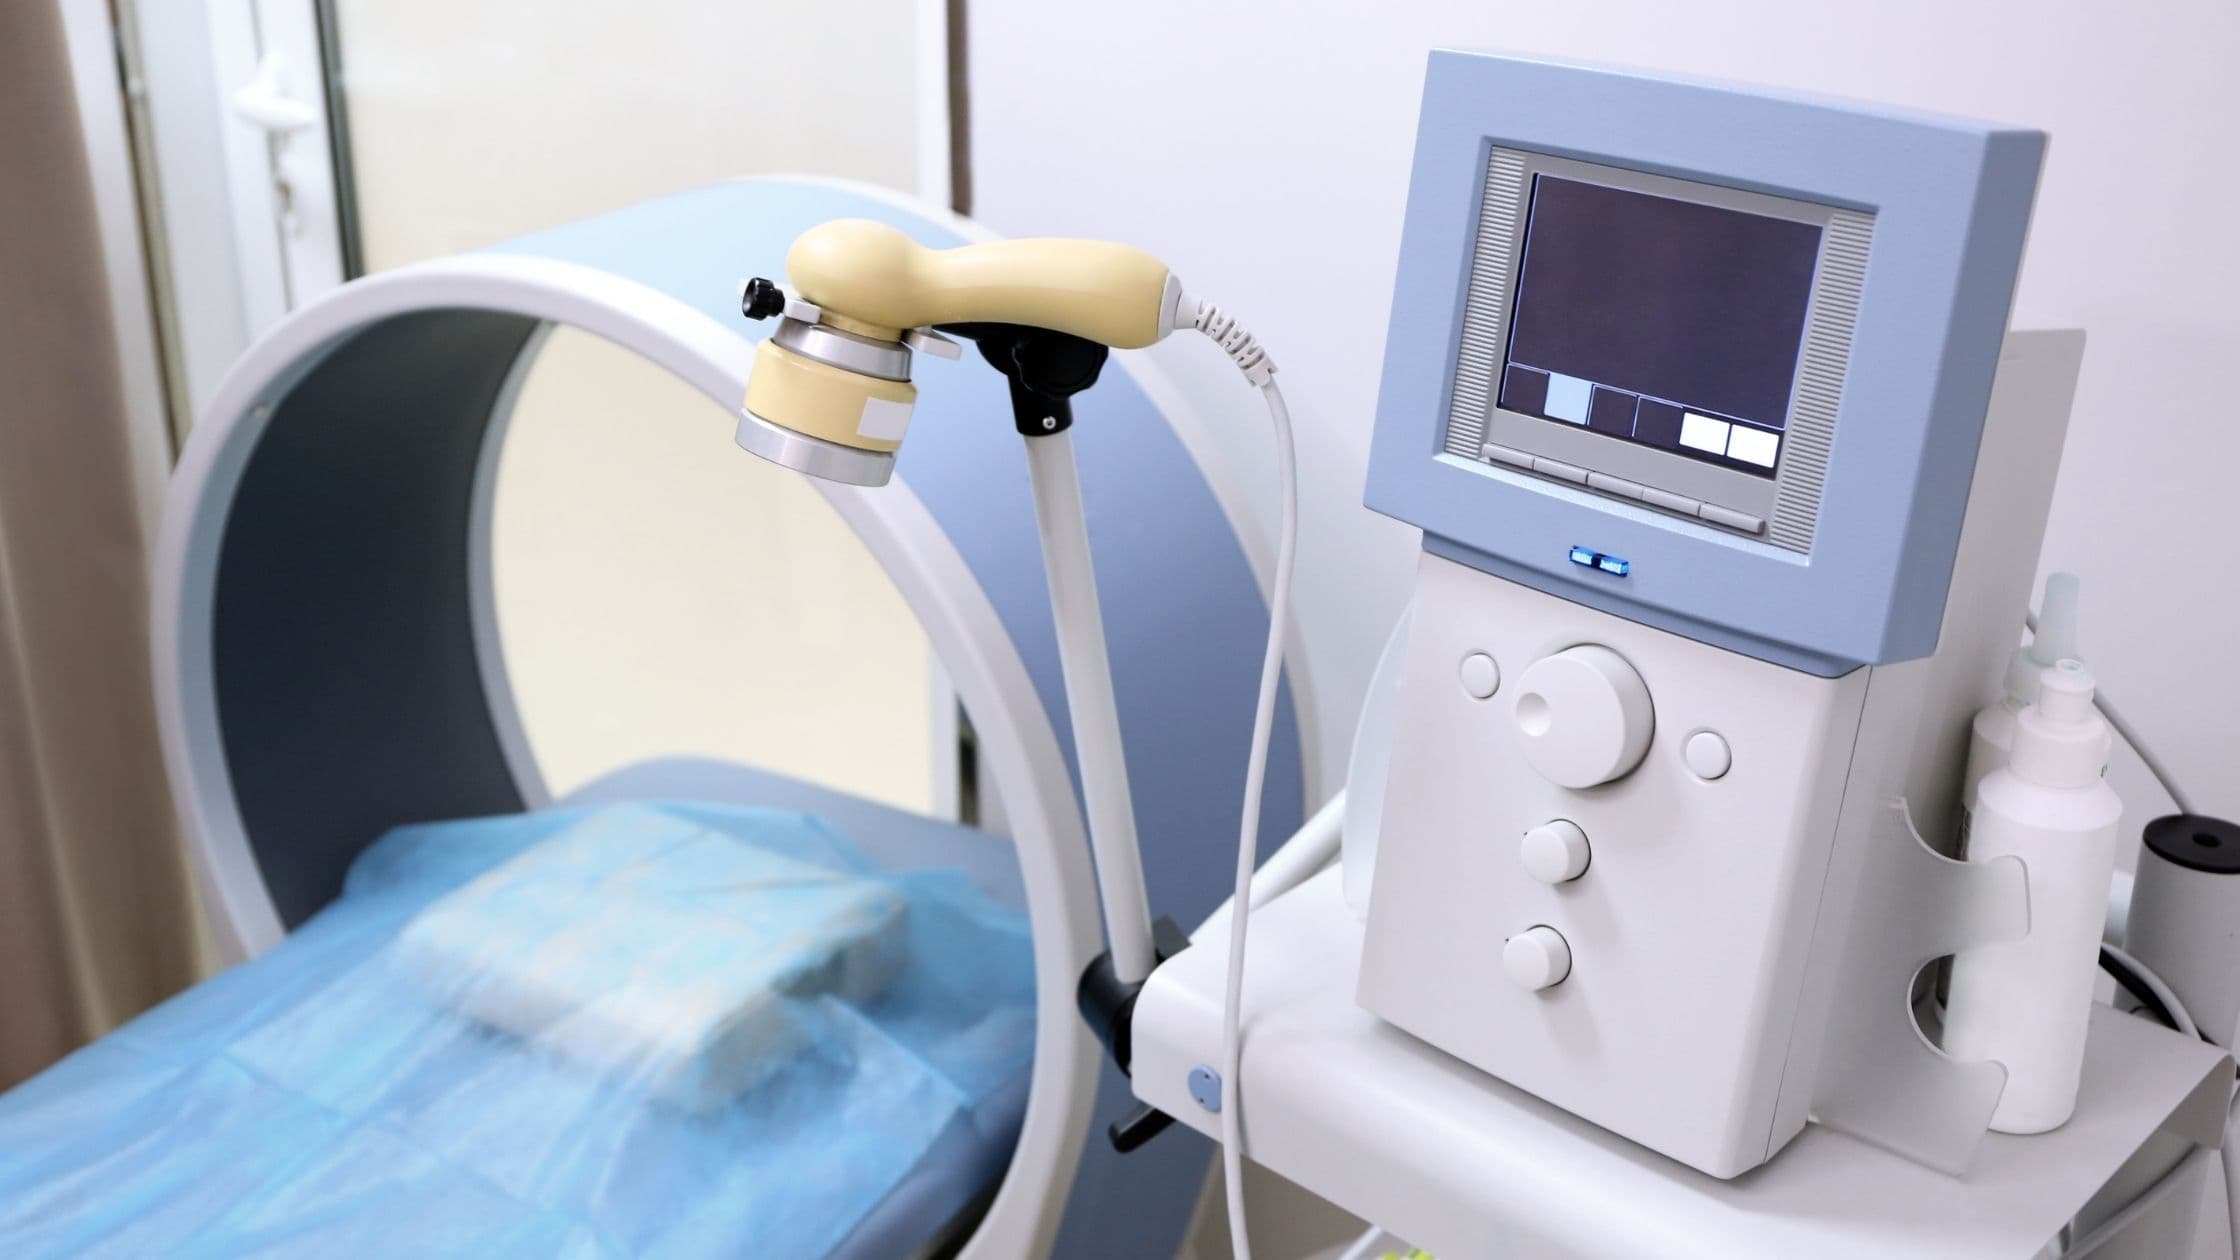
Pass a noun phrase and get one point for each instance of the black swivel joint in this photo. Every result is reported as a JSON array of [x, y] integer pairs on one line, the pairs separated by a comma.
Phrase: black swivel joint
[[761, 299]]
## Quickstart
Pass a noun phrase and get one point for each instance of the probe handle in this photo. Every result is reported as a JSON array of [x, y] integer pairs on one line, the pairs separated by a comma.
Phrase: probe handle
[[883, 282]]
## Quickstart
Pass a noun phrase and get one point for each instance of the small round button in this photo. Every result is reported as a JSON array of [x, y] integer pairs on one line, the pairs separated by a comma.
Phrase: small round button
[[1555, 852], [1707, 754], [1583, 716], [1537, 958], [1480, 676]]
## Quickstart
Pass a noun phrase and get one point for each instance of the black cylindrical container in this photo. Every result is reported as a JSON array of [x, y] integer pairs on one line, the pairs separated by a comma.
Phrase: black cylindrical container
[[2185, 916]]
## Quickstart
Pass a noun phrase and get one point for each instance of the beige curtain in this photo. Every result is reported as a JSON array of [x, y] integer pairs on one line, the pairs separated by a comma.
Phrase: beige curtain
[[96, 917]]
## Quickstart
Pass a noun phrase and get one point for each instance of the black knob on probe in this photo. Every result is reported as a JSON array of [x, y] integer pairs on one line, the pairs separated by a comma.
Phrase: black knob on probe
[[761, 299]]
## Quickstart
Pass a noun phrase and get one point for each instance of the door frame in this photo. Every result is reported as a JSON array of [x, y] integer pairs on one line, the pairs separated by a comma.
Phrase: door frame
[[229, 267], [105, 94]]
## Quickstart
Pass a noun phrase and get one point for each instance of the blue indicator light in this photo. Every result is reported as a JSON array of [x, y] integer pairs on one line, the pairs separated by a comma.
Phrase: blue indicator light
[[1588, 557]]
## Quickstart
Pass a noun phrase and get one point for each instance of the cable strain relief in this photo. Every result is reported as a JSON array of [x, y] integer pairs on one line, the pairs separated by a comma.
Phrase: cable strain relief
[[1176, 307], [1241, 347]]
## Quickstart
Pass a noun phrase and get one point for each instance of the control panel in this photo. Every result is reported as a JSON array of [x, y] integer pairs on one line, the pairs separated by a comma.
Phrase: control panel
[[1600, 857]]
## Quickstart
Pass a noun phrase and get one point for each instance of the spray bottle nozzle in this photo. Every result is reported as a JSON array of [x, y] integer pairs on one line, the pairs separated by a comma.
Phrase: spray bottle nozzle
[[2056, 639], [2053, 639], [2065, 692], [2061, 741]]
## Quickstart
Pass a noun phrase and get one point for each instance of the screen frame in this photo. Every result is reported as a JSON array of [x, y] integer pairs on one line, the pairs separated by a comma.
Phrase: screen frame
[[1951, 203]]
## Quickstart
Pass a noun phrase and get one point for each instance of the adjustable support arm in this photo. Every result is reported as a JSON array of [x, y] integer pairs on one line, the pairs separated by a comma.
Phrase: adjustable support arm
[[1044, 368]]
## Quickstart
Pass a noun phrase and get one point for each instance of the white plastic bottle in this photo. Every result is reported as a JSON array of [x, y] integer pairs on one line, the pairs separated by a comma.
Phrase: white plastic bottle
[[1991, 738], [2026, 1003]]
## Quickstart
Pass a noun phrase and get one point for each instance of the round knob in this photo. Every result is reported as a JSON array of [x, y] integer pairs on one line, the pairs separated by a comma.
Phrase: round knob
[[1555, 852], [1707, 755], [761, 299], [1584, 716], [1537, 958], [1481, 677]]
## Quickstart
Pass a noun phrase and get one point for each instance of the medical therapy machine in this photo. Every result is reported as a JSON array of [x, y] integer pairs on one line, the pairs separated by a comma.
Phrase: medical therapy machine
[[1726, 531], [1732, 480]]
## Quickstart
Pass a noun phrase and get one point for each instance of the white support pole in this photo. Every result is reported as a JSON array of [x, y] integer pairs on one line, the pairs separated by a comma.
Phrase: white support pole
[[1096, 717]]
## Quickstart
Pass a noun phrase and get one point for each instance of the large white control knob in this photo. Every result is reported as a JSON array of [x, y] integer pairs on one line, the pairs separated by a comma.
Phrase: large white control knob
[[1537, 958], [1555, 852], [1584, 716]]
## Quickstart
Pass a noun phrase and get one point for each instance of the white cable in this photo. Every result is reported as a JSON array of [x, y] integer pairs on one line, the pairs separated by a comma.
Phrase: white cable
[[2154, 764], [1259, 370], [2160, 988], [1242, 348], [1248, 830], [2130, 734]]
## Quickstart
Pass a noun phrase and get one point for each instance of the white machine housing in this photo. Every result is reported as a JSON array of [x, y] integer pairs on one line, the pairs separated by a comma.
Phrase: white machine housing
[[1732, 486], [1705, 931]]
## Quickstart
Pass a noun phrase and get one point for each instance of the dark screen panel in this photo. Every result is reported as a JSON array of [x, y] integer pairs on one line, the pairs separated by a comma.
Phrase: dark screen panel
[[1697, 307]]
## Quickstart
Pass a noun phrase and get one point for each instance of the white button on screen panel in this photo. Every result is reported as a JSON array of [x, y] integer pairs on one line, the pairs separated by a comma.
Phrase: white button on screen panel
[[1753, 446], [1583, 716], [1537, 958], [1506, 455], [1732, 519], [1703, 433], [1558, 469], [1555, 852], [1707, 755], [1481, 677], [1618, 486]]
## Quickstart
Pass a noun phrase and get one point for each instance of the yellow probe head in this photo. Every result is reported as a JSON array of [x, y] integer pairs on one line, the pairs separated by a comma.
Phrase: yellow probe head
[[830, 393]]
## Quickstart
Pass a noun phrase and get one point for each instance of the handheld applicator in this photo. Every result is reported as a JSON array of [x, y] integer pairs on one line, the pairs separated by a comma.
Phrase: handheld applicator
[[830, 395]]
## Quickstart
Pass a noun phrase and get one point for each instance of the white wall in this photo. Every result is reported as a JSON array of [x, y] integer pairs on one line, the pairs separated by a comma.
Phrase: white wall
[[1264, 148]]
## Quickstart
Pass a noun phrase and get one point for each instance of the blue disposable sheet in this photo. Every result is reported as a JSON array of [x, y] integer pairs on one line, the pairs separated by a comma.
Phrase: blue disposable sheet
[[327, 1100]]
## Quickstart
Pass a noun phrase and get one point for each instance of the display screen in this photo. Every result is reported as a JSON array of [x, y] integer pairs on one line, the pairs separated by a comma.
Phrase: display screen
[[1660, 321]]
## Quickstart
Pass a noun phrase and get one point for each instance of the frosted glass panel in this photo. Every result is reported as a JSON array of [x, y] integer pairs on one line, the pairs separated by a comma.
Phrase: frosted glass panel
[[659, 592], [472, 122]]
